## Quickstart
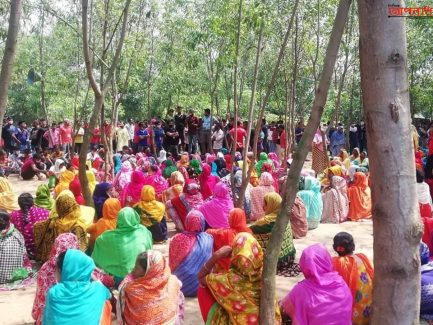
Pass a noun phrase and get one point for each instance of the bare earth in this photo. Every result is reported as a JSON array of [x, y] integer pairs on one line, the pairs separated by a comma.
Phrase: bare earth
[[16, 306]]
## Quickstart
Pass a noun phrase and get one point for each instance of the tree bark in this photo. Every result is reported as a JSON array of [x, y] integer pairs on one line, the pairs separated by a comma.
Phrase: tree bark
[[98, 90], [9, 54], [267, 305], [397, 226]]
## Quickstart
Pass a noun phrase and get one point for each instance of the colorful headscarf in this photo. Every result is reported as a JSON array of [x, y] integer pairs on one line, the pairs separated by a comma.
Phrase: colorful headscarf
[[169, 168], [323, 296], [148, 208], [132, 192], [124, 176], [108, 221], [207, 182], [115, 250], [359, 197], [65, 178], [154, 298], [237, 291], [312, 199], [75, 188], [184, 161], [196, 166], [69, 214], [263, 159], [76, 299], [43, 197], [47, 274], [100, 195], [216, 210], [91, 179], [189, 251]]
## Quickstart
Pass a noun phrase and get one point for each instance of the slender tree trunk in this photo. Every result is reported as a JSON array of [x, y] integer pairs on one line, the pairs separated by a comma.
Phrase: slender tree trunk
[[245, 178], [267, 305], [9, 54], [397, 226]]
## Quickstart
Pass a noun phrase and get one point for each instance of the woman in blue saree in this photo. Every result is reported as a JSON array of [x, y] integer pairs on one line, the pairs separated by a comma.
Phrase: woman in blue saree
[[189, 251], [76, 299], [312, 198]]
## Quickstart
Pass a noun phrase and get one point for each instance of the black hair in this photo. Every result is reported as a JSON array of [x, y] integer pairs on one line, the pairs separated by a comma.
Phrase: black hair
[[154, 168], [60, 259], [25, 201], [4, 215], [142, 260], [27, 151], [207, 110], [343, 244], [419, 176], [36, 156]]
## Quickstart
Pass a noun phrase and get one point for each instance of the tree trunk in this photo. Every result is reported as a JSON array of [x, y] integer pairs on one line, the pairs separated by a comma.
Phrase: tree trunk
[[267, 305], [9, 54], [397, 226]]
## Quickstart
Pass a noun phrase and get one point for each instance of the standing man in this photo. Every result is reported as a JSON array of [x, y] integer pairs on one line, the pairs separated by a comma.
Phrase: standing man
[[122, 137], [362, 138], [192, 124], [170, 116], [130, 128], [34, 136], [65, 136], [179, 123], [240, 136], [206, 131], [43, 127], [21, 136], [353, 138], [8, 130], [142, 135], [172, 139]]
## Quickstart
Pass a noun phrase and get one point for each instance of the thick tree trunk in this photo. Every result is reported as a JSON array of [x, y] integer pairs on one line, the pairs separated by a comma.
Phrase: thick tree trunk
[[267, 306], [9, 54], [397, 226]]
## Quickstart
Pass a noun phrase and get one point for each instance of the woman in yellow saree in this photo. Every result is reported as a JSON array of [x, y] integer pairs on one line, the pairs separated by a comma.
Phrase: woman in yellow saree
[[233, 297]]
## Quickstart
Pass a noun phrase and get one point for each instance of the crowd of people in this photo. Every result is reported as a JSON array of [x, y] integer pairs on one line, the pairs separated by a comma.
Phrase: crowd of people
[[100, 255]]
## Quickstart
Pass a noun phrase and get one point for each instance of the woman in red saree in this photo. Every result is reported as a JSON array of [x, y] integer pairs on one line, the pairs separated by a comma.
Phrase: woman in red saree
[[359, 198], [224, 237]]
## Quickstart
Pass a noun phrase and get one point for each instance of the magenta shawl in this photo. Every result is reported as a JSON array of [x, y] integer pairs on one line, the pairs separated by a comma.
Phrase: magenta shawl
[[216, 211], [132, 192], [323, 297], [158, 182], [123, 177], [207, 182]]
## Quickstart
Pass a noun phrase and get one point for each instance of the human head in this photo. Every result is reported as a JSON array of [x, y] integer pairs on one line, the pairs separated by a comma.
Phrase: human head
[[272, 203], [191, 112], [355, 152], [74, 266], [10, 120], [22, 124], [207, 112], [36, 157], [25, 201], [179, 109], [140, 267], [195, 221], [170, 111], [363, 154], [343, 244], [4, 220]]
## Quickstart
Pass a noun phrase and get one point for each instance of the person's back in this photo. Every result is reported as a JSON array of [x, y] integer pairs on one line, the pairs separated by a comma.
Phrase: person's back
[[323, 297]]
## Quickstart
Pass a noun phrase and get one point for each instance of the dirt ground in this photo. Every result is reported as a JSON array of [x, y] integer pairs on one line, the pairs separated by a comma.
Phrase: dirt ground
[[16, 306]]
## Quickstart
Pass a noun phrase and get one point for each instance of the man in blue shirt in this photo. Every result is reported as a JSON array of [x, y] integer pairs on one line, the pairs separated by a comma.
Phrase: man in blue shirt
[[206, 132], [21, 135], [142, 137]]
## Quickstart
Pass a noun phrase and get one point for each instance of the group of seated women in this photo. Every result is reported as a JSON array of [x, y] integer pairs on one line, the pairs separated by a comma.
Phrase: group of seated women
[[112, 238]]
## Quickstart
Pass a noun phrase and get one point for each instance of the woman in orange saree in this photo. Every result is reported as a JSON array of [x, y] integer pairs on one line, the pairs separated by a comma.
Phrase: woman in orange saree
[[358, 273], [359, 198]]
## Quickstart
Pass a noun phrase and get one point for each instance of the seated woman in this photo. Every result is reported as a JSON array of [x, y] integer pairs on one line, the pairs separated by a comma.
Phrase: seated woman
[[132, 192], [359, 165], [8, 198], [184, 161], [64, 179], [258, 193], [233, 297], [15, 264], [91, 180], [180, 206], [123, 177], [216, 210], [169, 169], [238, 184], [107, 222], [47, 274], [100, 195], [76, 299], [310, 195], [155, 179], [262, 230], [207, 182], [151, 213], [115, 250], [426, 310], [298, 214], [358, 273], [359, 198], [43, 198], [263, 160], [177, 182], [150, 294], [68, 219], [322, 297], [25, 218], [335, 202], [188, 252], [75, 188], [225, 237]]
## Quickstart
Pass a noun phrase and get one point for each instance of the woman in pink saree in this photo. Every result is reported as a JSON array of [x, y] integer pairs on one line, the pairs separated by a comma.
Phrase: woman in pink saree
[[323, 297], [207, 181], [123, 177], [132, 192], [258, 195], [335, 202], [154, 178], [216, 211]]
